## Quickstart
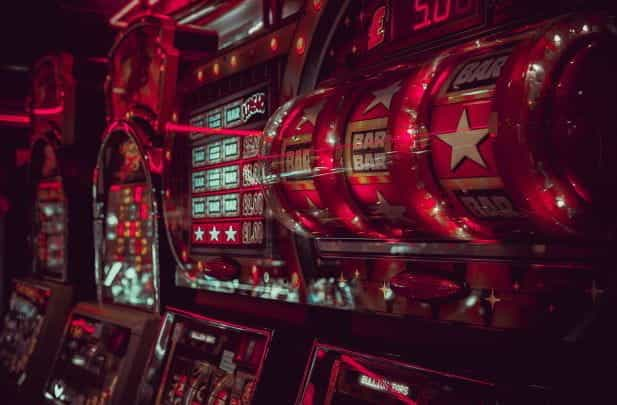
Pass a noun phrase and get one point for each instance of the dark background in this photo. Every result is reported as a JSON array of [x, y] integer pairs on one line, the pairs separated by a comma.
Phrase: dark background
[[30, 29]]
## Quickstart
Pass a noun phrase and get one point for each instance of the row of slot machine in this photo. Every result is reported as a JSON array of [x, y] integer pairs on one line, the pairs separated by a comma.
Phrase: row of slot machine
[[365, 202]]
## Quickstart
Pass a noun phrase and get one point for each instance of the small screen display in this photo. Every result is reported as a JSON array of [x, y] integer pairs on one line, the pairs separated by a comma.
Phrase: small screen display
[[22, 326], [429, 13], [340, 377], [50, 228], [87, 367], [204, 362], [227, 197], [128, 276]]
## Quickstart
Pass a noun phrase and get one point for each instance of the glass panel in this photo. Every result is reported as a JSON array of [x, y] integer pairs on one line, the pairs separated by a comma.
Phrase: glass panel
[[128, 262], [200, 360], [88, 364], [22, 325]]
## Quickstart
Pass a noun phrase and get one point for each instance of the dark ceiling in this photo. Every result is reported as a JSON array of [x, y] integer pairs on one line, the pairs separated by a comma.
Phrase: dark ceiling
[[31, 28]]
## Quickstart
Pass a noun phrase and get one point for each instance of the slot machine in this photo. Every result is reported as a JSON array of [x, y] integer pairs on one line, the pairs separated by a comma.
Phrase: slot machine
[[215, 215], [453, 204], [105, 344], [65, 111], [427, 218]]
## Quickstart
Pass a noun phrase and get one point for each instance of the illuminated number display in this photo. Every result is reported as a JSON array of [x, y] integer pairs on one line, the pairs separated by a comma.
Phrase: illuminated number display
[[215, 119], [199, 156], [231, 148], [214, 206], [199, 207], [198, 180], [214, 179], [214, 152], [229, 207], [227, 203], [427, 13], [230, 176]]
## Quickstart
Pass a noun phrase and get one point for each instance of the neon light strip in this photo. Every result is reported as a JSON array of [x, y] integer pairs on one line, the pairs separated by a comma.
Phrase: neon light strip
[[48, 111], [197, 15], [113, 272], [212, 131], [383, 382], [115, 19], [15, 119]]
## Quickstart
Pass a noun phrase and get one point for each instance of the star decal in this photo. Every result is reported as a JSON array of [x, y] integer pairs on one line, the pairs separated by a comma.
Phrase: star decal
[[386, 210], [492, 300], [595, 292], [214, 233], [383, 96], [231, 233], [464, 142], [321, 214], [386, 291], [310, 114], [199, 233]]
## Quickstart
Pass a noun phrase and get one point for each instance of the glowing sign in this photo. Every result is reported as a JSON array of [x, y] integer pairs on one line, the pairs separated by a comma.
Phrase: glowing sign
[[254, 105], [427, 13], [382, 385], [238, 112]]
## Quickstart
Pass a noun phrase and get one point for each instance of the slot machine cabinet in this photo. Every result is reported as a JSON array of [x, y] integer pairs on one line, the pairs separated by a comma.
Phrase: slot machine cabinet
[[455, 204], [227, 247], [106, 343], [202, 360], [221, 235], [66, 109], [398, 239], [338, 376]]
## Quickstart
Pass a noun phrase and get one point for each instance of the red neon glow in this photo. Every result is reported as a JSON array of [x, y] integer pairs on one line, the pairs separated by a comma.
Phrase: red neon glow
[[429, 12], [211, 131], [386, 384], [317, 4], [115, 19], [274, 44], [83, 325], [15, 119], [300, 46], [48, 111]]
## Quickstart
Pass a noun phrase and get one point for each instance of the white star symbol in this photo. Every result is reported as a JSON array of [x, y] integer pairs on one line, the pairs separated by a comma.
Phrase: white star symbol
[[383, 96], [310, 114], [214, 233], [492, 300], [321, 214], [199, 233], [464, 142], [231, 233], [595, 291], [387, 292], [388, 211]]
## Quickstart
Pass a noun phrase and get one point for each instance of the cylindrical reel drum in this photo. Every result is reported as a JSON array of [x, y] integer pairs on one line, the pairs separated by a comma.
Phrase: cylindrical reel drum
[[556, 143], [506, 126], [291, 167], [362, 124], [125, 217]]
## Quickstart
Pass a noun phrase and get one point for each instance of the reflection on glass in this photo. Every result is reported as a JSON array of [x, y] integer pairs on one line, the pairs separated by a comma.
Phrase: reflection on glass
[[49, 229], [203, 361], [127, 271], [22, 325], [86, 371]]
